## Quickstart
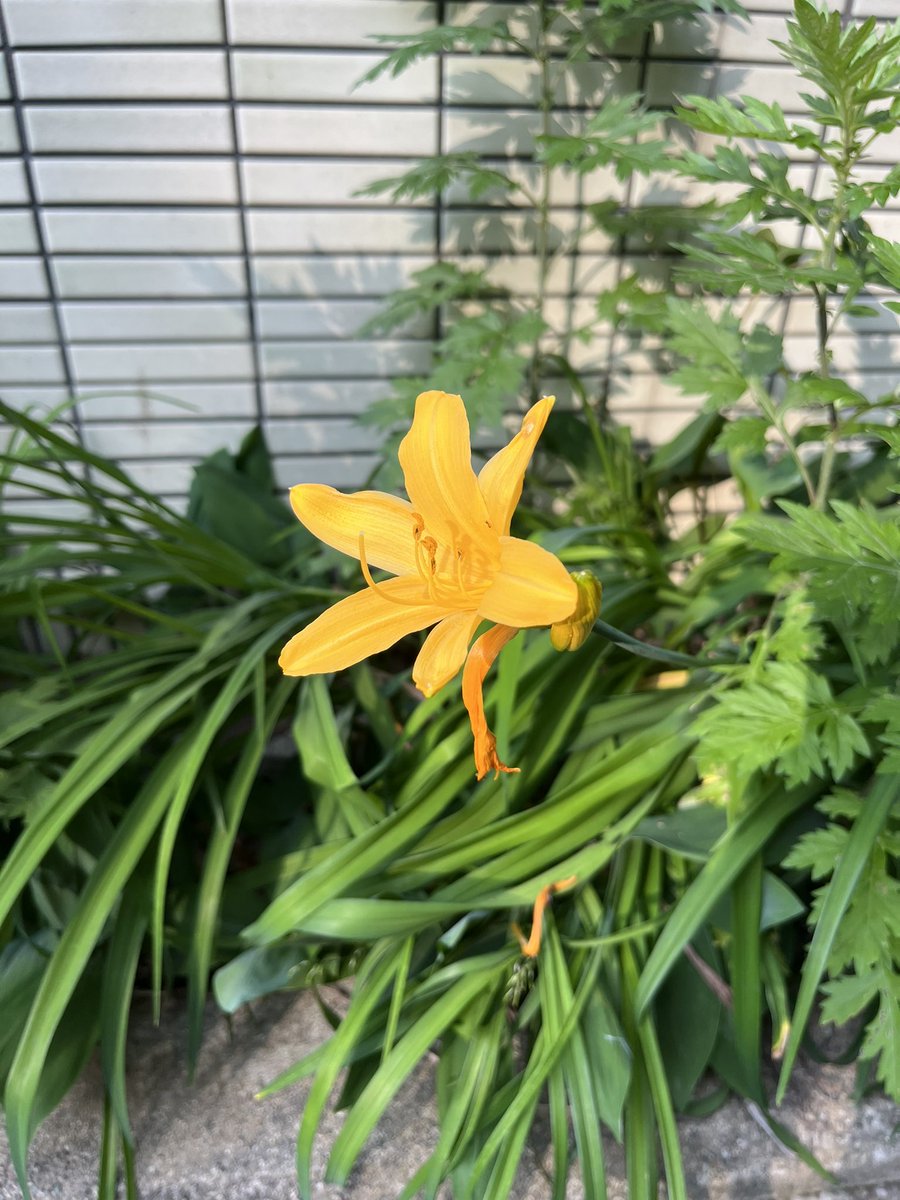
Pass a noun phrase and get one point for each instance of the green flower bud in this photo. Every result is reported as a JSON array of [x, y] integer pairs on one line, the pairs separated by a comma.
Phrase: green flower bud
[[573, 632]]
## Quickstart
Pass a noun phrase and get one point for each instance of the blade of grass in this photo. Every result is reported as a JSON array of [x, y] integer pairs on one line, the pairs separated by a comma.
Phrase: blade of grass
[[375, 975], [216, 715], [644, 650], [112, 745], [386, 1081], [660, 1096], [109, 1154], [576, 1068], [349, 864], [461, 1123], [68, 962], [398, 995], [746, 980], [542, 1060], [218, 854], [116, 994]]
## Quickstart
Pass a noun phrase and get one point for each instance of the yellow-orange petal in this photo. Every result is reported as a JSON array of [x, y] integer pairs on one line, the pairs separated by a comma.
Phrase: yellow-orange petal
[[444, 652], [478, 663], [531, 587], [387, 523], [436, 457], [501, 477], [363, 624]]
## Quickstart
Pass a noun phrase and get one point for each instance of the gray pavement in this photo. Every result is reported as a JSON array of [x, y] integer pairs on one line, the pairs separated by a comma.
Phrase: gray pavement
[[213, 1141]]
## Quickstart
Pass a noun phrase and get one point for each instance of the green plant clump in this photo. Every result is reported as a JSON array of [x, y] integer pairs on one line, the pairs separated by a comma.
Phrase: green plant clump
[[718, 766]]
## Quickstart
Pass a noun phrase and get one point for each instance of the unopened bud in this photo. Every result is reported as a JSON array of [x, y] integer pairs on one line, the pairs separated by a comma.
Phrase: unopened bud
[[573, 632]]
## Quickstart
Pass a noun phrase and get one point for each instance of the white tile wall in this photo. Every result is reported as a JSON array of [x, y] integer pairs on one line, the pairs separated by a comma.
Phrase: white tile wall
[[17, 232], [335, 182], [314, 397], [122, 75], [323, 318], [93, 22], [9, 137], [158, 277], [136, 181], [193, 231], [316, 359], [368, 231], [154, 224], [299, 436], [137, 129], [31, 364], [319, 129], [159, 438], [161, 361], [337, 470], [22, 278], [172, 401], [324, 22], [514, 83], [13, 186], [34, 399], [25, 323], [335, 275], [179, 320], [324, 75]]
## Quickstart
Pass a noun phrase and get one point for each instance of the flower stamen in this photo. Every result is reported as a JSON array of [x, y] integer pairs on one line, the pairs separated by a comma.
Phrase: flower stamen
[[376, 587], [426, 552]]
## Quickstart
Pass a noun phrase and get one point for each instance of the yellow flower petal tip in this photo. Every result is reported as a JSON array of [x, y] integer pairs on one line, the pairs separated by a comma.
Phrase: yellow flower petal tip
[[573, 632], [453, 563], [531, 946]]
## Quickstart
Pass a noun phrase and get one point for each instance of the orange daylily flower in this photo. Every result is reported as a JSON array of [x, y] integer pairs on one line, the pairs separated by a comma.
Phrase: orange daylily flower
[[454, 562]]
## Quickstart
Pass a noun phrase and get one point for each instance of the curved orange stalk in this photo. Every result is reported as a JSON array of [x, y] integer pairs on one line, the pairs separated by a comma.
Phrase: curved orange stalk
[[478, 663], [531, 947]]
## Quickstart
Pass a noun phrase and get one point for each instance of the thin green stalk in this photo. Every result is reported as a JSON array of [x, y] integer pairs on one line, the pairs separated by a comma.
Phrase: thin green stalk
[[109, 1153], [839, 214], [764, 400], [746, 968], [542, 247]]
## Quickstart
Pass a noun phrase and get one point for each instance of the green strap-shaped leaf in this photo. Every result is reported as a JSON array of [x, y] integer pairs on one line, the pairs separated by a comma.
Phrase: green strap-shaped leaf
[[387, 1080], [218, 853], [116, 995], [375, 975], [729, 856], [67, 965], [213, 720]]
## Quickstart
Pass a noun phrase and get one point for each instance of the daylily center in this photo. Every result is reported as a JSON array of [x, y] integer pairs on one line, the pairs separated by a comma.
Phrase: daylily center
[[457, 575]]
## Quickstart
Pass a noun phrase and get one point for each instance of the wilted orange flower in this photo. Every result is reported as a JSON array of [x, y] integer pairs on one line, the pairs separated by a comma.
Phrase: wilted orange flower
[[532, 944], [454, 563]]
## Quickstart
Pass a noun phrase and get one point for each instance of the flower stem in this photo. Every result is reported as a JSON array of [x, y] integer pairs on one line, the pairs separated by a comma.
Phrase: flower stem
[[824, 328], [542, 239], [765, 402]]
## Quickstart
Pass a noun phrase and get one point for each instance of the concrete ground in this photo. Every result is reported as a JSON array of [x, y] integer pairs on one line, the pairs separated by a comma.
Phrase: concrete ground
[[213, 1141]]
